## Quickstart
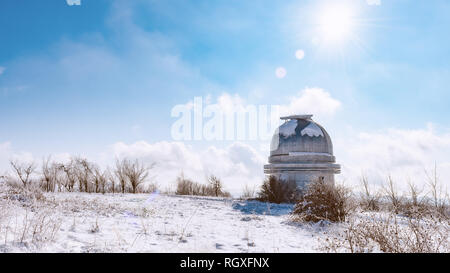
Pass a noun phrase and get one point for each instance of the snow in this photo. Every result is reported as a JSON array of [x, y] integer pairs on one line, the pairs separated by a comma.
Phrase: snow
[[152, 223], [288, 128], [312, 130], [82, 222]]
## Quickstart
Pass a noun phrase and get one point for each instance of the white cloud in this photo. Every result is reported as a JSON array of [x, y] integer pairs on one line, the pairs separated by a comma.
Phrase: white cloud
[[73, 2], [314, 101], [7, 153], [310, 100], [237, 164], [404, 154], [229, 103], [373, 2]]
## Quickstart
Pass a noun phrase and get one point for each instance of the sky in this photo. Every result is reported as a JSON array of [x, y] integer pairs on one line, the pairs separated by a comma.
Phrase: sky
[[99, 78]]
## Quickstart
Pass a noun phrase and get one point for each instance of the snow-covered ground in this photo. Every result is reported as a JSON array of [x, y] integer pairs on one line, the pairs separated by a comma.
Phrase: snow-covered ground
[[79, 222]]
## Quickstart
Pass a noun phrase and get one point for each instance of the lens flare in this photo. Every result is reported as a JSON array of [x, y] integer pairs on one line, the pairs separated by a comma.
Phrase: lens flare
[[336, 23]]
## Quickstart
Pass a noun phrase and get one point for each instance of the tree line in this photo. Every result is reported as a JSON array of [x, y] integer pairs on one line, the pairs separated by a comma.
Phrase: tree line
[[79, 174]]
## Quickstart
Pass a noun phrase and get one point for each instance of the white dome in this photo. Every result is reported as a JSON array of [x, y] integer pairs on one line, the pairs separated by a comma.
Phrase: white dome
[[300, 135]]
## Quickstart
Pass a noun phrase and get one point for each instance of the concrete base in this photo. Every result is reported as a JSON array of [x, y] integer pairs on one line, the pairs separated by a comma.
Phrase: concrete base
[[303, 174]]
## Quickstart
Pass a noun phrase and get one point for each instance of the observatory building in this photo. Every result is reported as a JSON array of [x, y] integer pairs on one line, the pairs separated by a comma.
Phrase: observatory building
[[301, 151]]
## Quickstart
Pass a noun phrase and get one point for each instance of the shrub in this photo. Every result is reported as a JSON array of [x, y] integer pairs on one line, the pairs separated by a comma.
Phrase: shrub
[[277, 191], [395, 200], [188, 187], [150, 188], [368, 200], [323, 201], [184, 186], [27, 194]]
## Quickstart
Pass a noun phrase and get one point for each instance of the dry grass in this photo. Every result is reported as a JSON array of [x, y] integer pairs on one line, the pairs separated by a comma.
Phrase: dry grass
[[391, 233], [248, 192], [32, 227], [416, 222], [369, 200]]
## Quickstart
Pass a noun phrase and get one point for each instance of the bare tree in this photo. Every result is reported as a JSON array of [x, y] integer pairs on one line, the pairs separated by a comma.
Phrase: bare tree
[[112, 179], [100, 179], [84, 173], [23, 171], [392, 195], [215, 184], [58, 175], [136, 172], [70, 173], [49, 173], [120, 174], [438, 194], [414, 192]]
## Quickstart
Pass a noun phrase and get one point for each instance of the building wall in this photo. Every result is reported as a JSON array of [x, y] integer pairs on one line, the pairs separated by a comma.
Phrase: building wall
[[303, 178]]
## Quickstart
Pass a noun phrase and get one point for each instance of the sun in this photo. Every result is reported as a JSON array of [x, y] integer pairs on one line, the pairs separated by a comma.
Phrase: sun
[[336, 23]]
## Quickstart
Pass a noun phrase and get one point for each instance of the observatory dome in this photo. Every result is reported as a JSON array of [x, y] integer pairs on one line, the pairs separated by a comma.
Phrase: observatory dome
[[301, 150], [302, 139]]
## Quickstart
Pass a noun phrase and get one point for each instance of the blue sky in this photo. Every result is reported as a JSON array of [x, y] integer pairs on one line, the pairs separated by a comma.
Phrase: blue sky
[[78, 79]]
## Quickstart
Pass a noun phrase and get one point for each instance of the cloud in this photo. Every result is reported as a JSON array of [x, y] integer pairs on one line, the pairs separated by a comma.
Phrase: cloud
[[73, 2], [405, 154], [129, 72], [373, 2], [229, 103], [7, 153], [310, 100], [236, 119], [2, 69], [237, 164], [314, 101], [127, 59]]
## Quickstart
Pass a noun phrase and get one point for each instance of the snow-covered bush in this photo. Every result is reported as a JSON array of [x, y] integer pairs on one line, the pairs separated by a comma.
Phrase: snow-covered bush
[[277, 191], [16, 191], [323, 201]]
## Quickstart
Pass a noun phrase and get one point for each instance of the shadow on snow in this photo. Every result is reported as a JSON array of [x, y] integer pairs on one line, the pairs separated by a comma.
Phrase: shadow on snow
[[261, 208]]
